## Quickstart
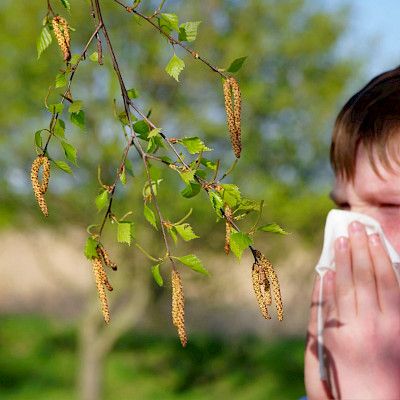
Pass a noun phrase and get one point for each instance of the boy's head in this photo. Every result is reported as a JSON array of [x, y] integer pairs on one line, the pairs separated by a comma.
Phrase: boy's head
[[365, 153]]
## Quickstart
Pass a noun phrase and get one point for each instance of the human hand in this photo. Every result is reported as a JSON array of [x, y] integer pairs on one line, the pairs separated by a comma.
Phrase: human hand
[[361, 308]]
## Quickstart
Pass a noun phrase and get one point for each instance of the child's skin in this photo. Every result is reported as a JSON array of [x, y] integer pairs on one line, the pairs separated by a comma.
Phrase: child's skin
[[361, 302]]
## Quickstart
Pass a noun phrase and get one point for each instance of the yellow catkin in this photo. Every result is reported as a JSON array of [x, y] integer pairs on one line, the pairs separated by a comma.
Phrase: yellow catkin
[[228, 216], [233, 111], [99, 278], [103, 254], [267, 287], [39, 189], [61, 32], [273, 280], [255, 275], [178, 307], [104, 279]]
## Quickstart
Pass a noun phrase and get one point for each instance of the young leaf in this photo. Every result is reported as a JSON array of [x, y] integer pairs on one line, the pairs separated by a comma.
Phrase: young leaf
[[61, 80], [170, 21], [186, 232], [78, 119], [175, 67], [247, 205], [76, 106], [38, 138], [70, 151], [194, 263], [274, 228], [191, 190], [149, 215], [133, 93], [154, 132], [188, 31], [125, 232], [172, 232], [236, 64], [59, 128], [231, 194], [217, 203], [141, 128], [63, 166], [122, 176], [239, 241], [194, 145], [66, 4], [101, 200], [90, 248], [56, 108], [44, 41], [155, 270], [187, 176], [209, 164], [94, 57], [75, 58]]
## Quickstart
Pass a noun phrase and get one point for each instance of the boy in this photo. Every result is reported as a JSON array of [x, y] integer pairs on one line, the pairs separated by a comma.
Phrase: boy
[[361, 299]]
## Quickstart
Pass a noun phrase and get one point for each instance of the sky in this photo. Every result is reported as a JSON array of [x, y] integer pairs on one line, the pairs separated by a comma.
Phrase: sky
[[374, 33]]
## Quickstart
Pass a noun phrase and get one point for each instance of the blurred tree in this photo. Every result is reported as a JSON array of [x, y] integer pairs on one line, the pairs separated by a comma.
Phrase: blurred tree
[[291, 83]]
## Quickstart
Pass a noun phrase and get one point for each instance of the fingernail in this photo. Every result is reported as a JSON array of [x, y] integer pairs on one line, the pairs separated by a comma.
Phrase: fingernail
[[356, 227], [374, 239], [342, 243]]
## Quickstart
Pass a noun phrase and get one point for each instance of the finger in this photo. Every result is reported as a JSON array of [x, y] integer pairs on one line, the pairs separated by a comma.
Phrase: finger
[[312, 323], [386, 280], [363, 273], [329, 308], [344, 285]]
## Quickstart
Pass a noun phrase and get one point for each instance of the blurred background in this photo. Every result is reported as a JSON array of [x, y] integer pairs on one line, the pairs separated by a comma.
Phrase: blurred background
[[304, 59]]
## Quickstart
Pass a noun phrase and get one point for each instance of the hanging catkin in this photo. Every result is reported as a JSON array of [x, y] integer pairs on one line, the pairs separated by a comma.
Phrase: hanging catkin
[[233, 113], [103, 254], [39, 189], [178, 307], [264, 263], [61, 32], [228, 217], [99, 278], [257, 286]]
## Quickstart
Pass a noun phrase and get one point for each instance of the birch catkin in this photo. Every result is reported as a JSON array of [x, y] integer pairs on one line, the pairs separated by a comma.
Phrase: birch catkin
[[61, 32], [228, 217], [99, 278], [178, 307], [39, 189], [103, 254], [263, 277], [233, 113]]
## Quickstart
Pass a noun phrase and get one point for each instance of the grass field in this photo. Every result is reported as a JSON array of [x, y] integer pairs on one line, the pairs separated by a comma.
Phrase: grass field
[[39, 360]]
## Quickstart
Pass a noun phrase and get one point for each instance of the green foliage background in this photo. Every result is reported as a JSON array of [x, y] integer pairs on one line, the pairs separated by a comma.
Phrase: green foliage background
[[292, 84]]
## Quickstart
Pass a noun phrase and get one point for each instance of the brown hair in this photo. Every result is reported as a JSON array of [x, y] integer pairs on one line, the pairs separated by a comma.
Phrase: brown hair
[[370, 117]]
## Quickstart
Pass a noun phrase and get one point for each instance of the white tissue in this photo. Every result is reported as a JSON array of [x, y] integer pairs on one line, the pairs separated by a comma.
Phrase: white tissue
[[337, 224]]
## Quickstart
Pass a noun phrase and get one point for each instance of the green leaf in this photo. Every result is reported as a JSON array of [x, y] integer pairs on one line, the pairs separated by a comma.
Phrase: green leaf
[[188, 31], [193, 145], [209, 164], [194, 263], [149, 215], [236, 64], [63, 166], [75, 58], [155, 270], [133, 94], [141, 128], [38, 138], [154, 132], [125, 232], [187, 176], [238, 243], [90, 248], [76, 106], [274, 228], [122, 176], [175, 67], [247, 205], [216, 202], [66, 4], [44, 40], [231, 194], [94, 57], [174, 235], [191, 190], [78, 119], [70, 151], [101, 200], [61, 80], [170, 21], [186, 232], [59, 128], [56, 108]]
